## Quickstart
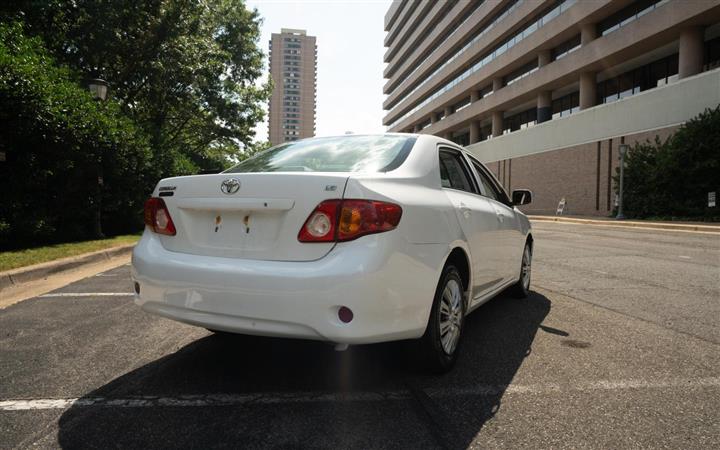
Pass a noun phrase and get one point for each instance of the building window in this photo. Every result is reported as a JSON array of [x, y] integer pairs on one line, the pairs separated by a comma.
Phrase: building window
[[520, 73], [628, 14], [520, 121], [484, 92], [566, 105], [565, 48], [462, 104], [461, 139], [712, 54], [486, 131], [649, 76]]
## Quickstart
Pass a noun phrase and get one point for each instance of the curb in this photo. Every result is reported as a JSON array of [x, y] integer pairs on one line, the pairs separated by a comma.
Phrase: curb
[[630, 224], [23, 275]]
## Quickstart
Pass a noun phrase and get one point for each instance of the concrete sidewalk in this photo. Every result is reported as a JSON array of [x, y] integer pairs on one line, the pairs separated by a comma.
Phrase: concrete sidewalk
[[26, 282], [698, 227]]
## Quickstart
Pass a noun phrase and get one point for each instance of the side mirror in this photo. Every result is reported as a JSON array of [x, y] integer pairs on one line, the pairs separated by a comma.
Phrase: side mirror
[[521, 197]]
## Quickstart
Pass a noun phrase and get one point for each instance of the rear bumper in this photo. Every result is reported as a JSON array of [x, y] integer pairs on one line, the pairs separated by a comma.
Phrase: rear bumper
[[387, 283]]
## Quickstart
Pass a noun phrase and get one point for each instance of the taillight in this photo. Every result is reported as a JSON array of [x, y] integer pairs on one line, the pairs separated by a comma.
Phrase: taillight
[[345, 220], [320, 225], [157, 217]]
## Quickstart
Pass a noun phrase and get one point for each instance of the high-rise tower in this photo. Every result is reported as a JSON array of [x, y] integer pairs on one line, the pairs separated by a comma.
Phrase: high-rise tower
[[293, 68]]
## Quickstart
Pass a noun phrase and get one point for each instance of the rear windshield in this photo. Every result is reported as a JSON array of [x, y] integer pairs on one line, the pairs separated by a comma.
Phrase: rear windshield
[[332, 154]]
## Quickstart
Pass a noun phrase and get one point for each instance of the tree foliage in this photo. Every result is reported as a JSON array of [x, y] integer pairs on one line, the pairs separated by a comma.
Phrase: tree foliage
[[183, 70], [57, 139], [183, 98], [672, 179]]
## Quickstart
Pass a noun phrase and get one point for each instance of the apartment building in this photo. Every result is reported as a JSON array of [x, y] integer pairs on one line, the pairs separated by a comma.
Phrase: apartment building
[[544, 91], [293, 69]]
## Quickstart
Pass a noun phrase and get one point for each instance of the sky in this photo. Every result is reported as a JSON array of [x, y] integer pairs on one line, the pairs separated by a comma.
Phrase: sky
[[350, 39]]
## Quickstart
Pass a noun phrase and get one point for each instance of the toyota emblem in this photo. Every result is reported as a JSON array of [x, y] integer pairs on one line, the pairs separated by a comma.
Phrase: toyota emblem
[[230, 186]]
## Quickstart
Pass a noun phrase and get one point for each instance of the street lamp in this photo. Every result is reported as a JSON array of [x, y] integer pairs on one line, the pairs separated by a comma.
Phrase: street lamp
[[622, 148], [99, 90]]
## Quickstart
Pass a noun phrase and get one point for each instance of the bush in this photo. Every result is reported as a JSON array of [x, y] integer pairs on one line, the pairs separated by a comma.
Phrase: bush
[[672, 179], [57, 141]]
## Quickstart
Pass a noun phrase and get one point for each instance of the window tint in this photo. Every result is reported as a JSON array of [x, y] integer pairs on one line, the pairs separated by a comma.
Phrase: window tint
[[380, 153], [488, 188], [490, 185], [454, 172]]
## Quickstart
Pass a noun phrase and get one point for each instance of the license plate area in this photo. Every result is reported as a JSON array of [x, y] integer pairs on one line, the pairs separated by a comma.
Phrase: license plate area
[[233, 230]]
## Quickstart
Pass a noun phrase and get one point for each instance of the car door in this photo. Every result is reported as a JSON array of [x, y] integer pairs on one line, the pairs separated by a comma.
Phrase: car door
[[476, 217], [509, 237]]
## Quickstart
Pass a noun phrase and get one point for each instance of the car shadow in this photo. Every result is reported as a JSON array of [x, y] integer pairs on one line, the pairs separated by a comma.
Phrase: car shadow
[[276, 383]]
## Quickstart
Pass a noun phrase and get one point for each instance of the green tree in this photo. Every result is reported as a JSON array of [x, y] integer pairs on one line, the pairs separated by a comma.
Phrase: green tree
[[57, 139], [183, 70], [672, 179]]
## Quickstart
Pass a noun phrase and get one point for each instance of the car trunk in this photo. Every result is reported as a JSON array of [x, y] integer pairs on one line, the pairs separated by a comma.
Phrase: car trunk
[[260, 221]]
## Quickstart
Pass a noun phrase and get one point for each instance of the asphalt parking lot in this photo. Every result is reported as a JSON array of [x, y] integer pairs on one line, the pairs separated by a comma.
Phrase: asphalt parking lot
[[618, 347]]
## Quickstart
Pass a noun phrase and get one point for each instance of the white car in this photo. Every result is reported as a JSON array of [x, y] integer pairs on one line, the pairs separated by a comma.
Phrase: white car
[[351, 239]]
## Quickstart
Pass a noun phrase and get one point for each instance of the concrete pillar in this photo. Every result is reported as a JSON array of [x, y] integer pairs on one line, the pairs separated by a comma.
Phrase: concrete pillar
[[690, 58], [544, 106], [474, 132], [417, 128], [588, 90], [447, 135], [497, 123], [544, 58], [433, 117], [588, 33], [448, 111], [474, 96], [497, 84]]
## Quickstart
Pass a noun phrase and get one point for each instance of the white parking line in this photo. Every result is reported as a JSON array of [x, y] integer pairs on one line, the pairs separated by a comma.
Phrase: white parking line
[[89, 294], [310, 397], [601, 385]]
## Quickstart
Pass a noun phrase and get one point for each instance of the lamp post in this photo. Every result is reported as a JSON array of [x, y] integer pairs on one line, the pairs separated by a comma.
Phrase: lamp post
[[99, 90], [622, 148]]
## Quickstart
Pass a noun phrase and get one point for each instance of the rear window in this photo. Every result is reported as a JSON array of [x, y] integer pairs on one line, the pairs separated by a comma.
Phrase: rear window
[[332, 154]]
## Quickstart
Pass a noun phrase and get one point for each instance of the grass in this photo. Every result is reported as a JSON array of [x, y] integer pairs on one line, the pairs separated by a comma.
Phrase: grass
[[21, 258]]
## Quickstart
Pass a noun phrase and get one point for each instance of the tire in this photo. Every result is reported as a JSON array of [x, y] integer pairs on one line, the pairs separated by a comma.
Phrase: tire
[[521, 289], [439, 346]]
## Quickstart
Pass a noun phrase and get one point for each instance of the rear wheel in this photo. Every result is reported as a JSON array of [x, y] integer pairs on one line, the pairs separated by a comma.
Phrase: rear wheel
[[521, 289], [439, 345]]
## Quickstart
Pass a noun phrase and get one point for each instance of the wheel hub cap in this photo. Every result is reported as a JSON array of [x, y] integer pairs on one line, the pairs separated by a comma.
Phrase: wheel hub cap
[[450, 316]]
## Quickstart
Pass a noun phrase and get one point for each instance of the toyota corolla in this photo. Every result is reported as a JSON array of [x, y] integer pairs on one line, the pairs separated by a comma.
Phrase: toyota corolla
[[351, 240]]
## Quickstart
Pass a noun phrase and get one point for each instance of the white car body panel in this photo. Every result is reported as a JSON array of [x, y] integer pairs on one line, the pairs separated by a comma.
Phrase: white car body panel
[[270, 202], [265, 282]]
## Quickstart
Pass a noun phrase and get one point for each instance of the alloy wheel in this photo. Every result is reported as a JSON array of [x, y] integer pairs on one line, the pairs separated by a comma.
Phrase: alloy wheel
[[450, 316], [526, 268]]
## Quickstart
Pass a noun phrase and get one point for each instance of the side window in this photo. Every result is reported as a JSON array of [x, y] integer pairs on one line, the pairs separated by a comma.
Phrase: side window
[[491, 187], [454, 172], [488, 188]]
